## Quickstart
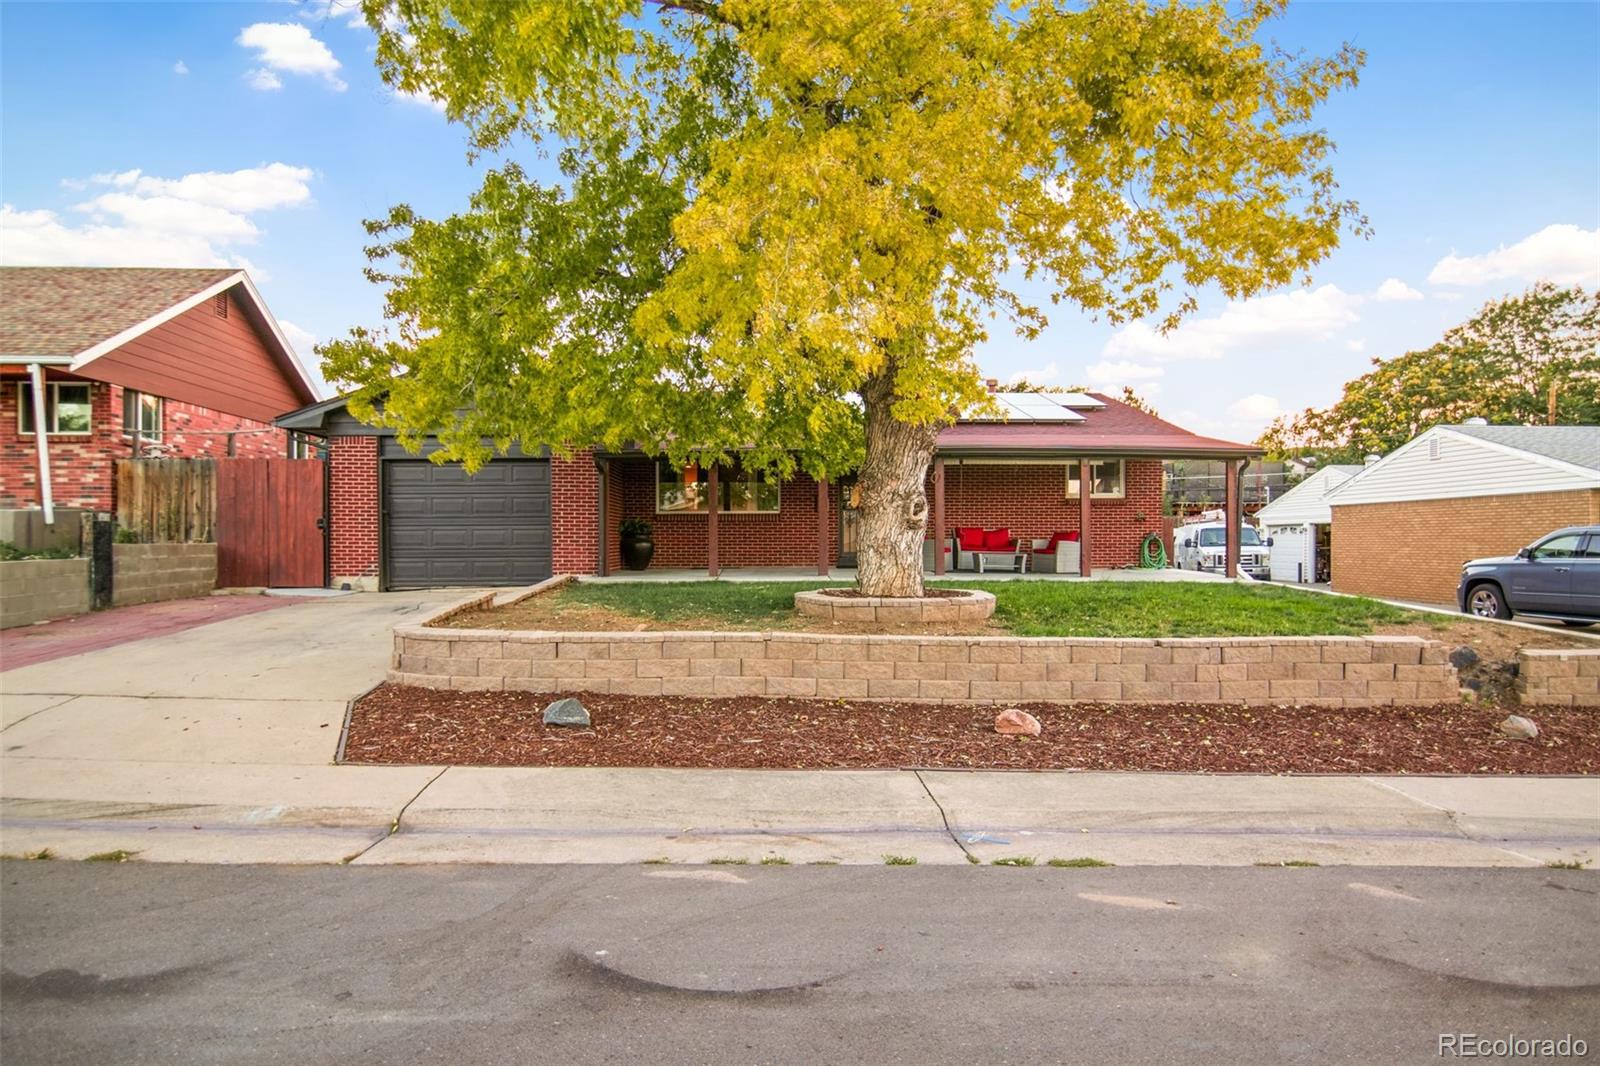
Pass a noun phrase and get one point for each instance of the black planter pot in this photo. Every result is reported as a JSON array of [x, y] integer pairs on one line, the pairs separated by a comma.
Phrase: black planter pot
[[637, 552]]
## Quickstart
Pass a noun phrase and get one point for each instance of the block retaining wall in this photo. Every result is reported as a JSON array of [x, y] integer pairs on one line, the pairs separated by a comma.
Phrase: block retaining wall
[[1568, 677], [1324, 671], [37, 590], [148, 573]]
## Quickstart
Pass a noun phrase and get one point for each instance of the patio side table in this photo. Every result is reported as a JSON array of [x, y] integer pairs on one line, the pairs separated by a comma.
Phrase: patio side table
[[1018, 560]]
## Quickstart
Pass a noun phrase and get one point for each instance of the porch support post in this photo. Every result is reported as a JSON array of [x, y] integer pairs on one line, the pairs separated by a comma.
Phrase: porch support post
[[938, 516], [823, 560], [1085, 536], [1232, 517], [712, 490]]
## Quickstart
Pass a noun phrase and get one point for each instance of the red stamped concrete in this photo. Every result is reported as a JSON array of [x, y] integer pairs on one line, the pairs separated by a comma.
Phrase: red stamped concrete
[[27, 645]]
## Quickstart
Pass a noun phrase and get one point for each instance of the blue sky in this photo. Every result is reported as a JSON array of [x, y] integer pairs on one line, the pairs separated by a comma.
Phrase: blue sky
[[259, 134]]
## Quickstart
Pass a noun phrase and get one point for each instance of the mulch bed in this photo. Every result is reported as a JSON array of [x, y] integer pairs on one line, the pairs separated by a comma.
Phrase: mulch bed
[[929, 593], [397, 724]]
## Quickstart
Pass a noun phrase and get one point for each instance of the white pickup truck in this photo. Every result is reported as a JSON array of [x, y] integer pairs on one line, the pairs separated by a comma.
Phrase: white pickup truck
[[1201, 546]]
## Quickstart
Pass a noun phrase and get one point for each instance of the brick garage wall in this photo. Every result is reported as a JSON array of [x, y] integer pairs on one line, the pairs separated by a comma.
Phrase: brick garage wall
[[80, 465], [786, 538], [1321, 671], [574, 514], [1413, 550], [353, 510], [1032, 502], [1566, 677], [37, 590], [149, 573]]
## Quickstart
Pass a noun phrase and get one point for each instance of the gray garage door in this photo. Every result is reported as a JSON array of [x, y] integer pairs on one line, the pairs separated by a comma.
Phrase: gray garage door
[[442, 527]]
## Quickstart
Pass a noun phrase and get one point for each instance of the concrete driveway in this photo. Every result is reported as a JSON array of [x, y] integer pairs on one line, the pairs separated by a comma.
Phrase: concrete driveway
[[213, 729]]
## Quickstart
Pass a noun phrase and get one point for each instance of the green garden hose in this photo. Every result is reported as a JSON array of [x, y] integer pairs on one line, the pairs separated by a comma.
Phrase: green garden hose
[[1152, 552]]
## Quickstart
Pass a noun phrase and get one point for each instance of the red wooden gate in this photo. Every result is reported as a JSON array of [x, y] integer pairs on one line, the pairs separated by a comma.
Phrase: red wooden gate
[[270, 522]]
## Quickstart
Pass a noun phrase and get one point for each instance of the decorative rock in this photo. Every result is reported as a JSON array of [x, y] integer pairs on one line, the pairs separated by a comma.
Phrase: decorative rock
[[1519, 728], [1463, 657], [1015, 723], [568, 711]]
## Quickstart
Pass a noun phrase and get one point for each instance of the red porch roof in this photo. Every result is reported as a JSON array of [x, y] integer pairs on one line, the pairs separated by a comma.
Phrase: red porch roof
[[1115, 429]]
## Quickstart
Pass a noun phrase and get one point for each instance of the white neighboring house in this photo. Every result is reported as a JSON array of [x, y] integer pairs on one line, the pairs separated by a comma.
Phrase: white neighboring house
[[1299, 524]]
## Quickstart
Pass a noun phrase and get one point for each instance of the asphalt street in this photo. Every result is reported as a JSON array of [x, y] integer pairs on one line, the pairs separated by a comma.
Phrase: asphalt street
[[113, 963]]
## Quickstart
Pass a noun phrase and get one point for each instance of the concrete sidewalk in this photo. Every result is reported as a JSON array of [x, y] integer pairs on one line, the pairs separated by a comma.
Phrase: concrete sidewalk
[[216, 744]]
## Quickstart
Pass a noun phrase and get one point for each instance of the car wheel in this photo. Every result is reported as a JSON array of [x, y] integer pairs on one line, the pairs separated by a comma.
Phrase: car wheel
[[1575, 623], [1486, 601]]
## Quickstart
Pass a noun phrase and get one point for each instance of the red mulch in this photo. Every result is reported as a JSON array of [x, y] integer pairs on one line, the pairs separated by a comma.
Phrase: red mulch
[[396, 724]]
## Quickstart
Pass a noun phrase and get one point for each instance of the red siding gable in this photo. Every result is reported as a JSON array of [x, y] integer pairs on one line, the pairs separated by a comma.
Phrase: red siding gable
[[205, 358]]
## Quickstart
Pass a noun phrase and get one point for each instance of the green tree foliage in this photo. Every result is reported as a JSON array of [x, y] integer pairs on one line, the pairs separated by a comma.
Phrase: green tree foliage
[[783, 225], [1522, 360]]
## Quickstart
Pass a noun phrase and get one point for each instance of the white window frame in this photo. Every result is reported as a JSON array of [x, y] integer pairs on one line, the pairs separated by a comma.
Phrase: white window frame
[[777, 487], [1122, 480], [52, 402], [161, 414]]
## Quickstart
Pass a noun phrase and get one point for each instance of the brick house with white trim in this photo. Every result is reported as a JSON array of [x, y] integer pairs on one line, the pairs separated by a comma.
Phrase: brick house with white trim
[[398, 520], [133, 362]]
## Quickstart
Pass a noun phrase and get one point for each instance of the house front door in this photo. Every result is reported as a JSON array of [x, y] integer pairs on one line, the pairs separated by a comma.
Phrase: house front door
[[849, 521]]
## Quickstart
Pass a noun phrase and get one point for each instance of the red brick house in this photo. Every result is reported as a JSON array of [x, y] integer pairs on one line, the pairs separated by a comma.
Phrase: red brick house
[[397, 520], [122, 362]]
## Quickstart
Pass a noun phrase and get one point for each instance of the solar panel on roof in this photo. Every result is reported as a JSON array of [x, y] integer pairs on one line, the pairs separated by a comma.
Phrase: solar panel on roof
[[1040, 407], [1079, 399]]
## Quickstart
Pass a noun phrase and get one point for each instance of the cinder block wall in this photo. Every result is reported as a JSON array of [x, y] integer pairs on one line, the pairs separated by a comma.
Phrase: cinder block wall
[[1413, 550], [1565, 677], [37, 590], [1319, 671], [147, 573]]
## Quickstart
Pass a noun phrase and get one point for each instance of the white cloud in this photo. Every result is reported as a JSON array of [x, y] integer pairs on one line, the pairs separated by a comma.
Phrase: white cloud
[[253, 189], [180, 67], [300, 339], [1256, 407], [1109, 372], [288, 48], [1356, 344], [1564, 254], [263, 80], [1048, 372], [1393, 289], [195, 220], [332, 10], [1275, 319], [421, 98]]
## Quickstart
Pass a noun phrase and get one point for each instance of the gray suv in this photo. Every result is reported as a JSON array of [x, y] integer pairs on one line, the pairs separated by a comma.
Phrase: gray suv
[[1557, 576]]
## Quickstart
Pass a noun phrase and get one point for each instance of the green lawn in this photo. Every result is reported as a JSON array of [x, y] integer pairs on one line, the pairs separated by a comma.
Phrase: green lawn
[[1030, 608]]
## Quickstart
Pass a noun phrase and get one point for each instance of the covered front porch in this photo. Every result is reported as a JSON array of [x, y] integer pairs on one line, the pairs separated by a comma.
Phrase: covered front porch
[[659, 575], [1045, 514]]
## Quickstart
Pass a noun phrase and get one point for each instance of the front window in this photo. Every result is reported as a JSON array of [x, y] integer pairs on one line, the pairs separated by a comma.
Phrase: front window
[[1562, 547], [67, 408], [689, 490], [141, 413], [1107, 475]]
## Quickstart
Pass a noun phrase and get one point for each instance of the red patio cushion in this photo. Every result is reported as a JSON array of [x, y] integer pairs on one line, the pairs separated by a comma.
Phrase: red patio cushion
[[970, 538], [1058, 537], [996, 539]]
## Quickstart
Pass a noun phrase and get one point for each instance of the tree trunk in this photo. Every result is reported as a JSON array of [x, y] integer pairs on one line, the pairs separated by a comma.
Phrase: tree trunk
[[894, 501]]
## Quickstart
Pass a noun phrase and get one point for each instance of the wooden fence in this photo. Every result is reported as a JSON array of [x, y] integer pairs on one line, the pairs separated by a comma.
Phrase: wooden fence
[[167, 500]]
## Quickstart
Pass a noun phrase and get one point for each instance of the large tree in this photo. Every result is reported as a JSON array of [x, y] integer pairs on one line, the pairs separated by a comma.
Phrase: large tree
[[1528, 359], [781, 226]]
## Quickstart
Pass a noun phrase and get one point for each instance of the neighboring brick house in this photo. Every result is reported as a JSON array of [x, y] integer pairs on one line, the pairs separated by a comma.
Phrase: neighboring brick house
[[398, 520], [1403, 526], [134, 361]]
